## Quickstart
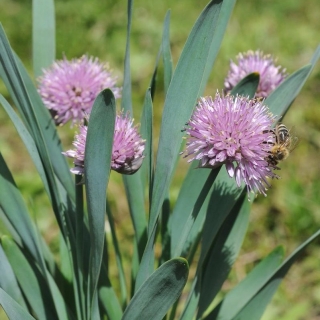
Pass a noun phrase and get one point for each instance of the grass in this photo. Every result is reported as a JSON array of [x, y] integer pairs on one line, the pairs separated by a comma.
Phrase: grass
[[287, 29]]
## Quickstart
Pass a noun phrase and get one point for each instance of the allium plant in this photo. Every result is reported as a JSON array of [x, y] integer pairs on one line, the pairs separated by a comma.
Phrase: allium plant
[[211, 209], [235, 131], [68, 88], [127, 149], [271, 75]]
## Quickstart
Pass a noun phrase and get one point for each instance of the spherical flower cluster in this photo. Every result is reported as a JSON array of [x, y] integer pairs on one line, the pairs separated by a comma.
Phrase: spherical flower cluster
[[127, 150], [270, 74], [68, 88], [234, 131]]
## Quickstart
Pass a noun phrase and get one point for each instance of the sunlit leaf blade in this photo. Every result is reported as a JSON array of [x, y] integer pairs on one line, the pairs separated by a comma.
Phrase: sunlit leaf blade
[[147, 135], [281, 98], [166, 52], [126, 100], [12, 308], [43, 35], [27, 140], [222, 255], [239, 296], [159, 291], [98, 154], [248, 85], [110, 303], [255, 308], [193, 194], [30, 280], [184, 89], [8, 281], [15, 210]]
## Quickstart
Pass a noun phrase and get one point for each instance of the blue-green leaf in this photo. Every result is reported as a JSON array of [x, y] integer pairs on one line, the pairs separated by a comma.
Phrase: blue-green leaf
[[98, 154], [30, 280], [43, 35], [185, 87], [166, 52], [222, 255], [248, 85], [16, 213], [192, 196], [239, 296], [8, 281], [256, 306], [159, 291], [12, 308]]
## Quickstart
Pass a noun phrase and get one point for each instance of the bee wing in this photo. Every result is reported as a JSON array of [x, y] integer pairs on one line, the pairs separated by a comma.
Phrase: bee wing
[[293, 143]]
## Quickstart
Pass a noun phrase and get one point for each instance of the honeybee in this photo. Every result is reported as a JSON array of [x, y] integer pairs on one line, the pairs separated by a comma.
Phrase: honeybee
[[284, 144]]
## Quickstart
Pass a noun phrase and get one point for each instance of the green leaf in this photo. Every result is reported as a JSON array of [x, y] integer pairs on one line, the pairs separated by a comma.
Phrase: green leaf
[[39, 130], [192, 198], [121, 273], [166, 52], [27, 140], [43, 35], [239, 296], [49, 132], [282, 97], [16, 213], [185, 87], [12, 308], [98, 152], [110, 302], [30, 280], [126, 99], [223, 197], [8, 281], [147, 134], [248, 85], [159, 291], [223, 253], [255, 308]]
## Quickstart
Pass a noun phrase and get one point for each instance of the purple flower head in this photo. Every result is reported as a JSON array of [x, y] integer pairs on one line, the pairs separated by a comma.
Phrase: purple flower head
[[270, 75], [68, 88], [127, 150], [234, 131]]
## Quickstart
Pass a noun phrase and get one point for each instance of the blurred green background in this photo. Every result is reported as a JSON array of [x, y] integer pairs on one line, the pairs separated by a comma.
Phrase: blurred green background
[[289, 30]]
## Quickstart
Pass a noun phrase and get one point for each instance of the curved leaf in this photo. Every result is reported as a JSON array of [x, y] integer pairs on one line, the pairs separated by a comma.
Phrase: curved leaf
[[98, 152], [239, 296], [248, 85], [159, 291], [30, 280], [12, 308]]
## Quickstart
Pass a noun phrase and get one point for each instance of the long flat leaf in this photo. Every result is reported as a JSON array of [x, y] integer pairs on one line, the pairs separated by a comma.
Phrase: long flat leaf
[[166, 52], [98, 154], [8, 281], [184, 89], [12, 308], [248, 85], [15, 210], [30, 280], [27, 140], [43, 35], [255, 308], [282, 97], [240, 295], [224, 252], [159, 291], [191, 198]]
